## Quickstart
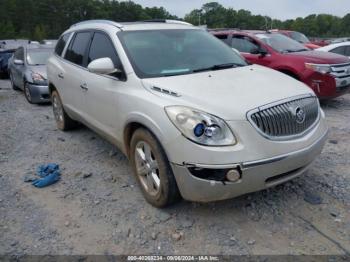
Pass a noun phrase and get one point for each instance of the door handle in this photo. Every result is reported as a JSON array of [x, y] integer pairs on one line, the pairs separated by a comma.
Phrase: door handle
[[60, 75], [84, 86]]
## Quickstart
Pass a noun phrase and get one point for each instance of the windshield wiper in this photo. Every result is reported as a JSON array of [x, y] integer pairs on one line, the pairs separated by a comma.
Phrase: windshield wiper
[[217, 67]]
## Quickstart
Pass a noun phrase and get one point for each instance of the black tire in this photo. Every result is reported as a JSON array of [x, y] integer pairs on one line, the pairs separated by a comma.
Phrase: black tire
[[168, 190], [14, 87], [27, 93], [63, 120]]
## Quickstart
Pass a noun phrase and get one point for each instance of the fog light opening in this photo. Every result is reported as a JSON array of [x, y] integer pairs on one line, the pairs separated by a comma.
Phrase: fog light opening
[[233, 175]]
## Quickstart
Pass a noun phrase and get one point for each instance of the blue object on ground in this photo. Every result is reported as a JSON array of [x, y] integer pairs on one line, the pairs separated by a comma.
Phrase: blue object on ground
[[49, 174]]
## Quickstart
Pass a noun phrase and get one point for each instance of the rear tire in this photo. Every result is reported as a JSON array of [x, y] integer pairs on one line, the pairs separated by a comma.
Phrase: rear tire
[[152, 169], [63, 120]]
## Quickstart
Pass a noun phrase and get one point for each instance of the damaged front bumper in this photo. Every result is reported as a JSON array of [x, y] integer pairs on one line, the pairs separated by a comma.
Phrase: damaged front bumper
[[255, 175]]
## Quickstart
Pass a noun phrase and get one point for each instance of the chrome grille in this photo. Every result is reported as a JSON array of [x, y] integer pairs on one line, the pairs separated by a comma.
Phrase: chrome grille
[[286, 119]]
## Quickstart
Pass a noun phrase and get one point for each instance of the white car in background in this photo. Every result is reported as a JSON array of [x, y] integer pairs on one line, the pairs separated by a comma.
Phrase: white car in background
[[342, 48]]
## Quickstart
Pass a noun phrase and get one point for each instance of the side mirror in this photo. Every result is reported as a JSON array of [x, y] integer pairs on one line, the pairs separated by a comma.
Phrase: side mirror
[[259, 51], [263, 52], [18, 62], [103, 66]]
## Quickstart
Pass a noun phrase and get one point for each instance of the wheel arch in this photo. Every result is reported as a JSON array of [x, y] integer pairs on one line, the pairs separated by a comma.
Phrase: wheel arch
[[51, 88], [140, 121]]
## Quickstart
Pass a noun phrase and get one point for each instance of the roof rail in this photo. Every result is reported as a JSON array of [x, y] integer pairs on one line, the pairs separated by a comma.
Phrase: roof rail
[[168, 21], [100, 21], [224, 29]]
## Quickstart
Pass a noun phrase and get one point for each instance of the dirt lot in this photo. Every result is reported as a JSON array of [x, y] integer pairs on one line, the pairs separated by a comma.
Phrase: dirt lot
[[97, 208]]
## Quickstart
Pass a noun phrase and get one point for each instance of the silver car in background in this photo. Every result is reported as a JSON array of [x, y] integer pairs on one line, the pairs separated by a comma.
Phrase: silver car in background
[[27, 70]]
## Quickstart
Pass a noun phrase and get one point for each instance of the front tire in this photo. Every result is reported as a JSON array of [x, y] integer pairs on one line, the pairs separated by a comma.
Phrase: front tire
[[63, 120], [152, 170], [27, 93]]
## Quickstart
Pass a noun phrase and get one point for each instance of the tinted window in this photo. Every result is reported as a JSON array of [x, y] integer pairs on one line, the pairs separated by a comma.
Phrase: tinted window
[[339, 50], [101, 46], [19, 54], [347, 52], [243, 44], [76, 50], [61, 44]]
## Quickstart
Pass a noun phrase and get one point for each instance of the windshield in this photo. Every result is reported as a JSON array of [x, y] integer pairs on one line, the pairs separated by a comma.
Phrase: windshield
[[281, 43], [301, 38], [38, 57], [155, 53]]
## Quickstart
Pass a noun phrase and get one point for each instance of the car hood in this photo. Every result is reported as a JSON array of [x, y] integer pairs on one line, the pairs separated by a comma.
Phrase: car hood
[[228, 93], [41, 69], [321, 57]]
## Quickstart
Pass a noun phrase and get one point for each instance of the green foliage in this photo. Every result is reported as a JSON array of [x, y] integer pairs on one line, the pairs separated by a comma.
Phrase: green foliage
[[39, 19], [215, 15]]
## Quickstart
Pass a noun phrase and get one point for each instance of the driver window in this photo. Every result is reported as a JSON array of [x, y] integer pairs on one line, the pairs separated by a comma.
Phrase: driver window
[[243, 44], [101, 47]]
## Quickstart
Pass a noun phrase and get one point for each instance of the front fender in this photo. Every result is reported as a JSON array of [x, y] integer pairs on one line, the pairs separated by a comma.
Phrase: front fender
[[146, 121]]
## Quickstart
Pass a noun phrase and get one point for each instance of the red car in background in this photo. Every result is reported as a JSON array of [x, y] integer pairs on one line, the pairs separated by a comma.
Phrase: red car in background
[[297, 36], [327, 74]]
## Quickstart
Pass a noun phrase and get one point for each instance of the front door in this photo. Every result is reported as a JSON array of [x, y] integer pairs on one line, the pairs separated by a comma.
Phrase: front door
[[249, 49], [104, 91]]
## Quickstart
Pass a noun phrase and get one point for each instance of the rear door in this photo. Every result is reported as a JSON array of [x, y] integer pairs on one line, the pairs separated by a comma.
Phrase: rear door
[[248, 46], [75, 72], [104, 90]]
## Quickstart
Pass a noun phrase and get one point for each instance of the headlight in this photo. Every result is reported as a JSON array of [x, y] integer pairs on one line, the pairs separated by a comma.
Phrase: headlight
[[201, 127], [37, 78], [323, 69]]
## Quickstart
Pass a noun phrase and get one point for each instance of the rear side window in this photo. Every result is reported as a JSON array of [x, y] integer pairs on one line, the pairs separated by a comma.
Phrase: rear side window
[[223, 38], [61, 44], [347, 52], [243, 44], [101, 47], [339, 50], [77, 49]]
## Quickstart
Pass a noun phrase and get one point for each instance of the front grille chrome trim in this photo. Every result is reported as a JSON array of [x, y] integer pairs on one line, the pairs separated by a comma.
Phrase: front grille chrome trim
[[274, 121]]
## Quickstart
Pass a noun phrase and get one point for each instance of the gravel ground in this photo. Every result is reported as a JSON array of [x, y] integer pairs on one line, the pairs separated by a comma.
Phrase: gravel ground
[[97, 208]]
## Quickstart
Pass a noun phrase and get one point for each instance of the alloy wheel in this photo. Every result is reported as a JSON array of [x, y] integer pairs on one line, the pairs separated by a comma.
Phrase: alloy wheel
[[147, 168], [57, 109]]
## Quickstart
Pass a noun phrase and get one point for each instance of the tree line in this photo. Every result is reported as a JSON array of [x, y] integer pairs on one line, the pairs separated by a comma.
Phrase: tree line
[[217, 16], [47, 19]]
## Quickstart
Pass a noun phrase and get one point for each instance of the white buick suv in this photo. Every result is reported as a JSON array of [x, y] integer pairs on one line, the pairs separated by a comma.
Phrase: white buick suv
[[195, 120]]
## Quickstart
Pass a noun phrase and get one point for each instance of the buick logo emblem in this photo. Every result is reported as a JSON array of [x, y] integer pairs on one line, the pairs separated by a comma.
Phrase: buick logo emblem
[[299, 115]]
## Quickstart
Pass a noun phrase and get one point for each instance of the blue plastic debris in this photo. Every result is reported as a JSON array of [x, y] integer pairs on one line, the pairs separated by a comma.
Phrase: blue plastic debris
[[49, 174]]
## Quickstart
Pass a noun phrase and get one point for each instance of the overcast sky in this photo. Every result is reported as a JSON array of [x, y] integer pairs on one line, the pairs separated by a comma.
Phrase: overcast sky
[[281, 9]]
